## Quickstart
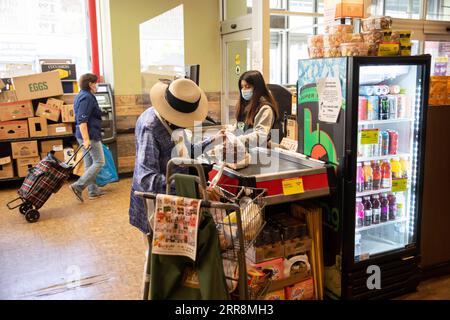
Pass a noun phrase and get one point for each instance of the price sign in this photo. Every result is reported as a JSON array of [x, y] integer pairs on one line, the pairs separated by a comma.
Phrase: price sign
[[292, 186], [399, 185], [369, 136]]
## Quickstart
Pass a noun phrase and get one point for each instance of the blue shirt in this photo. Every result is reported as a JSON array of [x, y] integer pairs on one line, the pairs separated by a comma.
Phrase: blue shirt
[[86, 110], [153, 151]]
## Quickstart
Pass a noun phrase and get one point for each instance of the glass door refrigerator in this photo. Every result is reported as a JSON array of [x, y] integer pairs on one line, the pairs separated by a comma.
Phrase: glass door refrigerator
[[367, 116]]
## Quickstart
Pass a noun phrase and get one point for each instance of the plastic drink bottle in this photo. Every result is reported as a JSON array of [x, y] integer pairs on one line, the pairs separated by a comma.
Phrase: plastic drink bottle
[[392, 206], [396, 168], [376, 175], [400, 199], [376, 209], [367, 211], [384, 207], [359, 208], [359, 178], [368, 176], [405, 167], [386, 174]]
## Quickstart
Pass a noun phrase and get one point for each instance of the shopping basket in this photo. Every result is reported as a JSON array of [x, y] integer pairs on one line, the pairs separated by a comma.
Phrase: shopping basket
[[47, 177], [235, 234]]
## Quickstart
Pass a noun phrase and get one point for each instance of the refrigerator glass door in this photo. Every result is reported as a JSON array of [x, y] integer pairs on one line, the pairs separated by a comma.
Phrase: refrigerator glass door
[[387, 161]]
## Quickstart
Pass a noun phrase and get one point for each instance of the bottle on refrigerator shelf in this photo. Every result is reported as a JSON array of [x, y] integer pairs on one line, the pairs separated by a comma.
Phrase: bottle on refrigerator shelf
[[367, 211], [393, 141], [401, 106], [384, 207], [394, 89], [359, 178], [392, 206], [384, 143], [405, 167], [359, 213], [376, 151], [373, 107], [360, 146], [384, 108], [357, 244], [377, 90], [376, 175], [376, 209], [392, 106], [362, 108], [366, 90], [384, 90], [396, 168], [368, 176], [386, 174], [400, 199]]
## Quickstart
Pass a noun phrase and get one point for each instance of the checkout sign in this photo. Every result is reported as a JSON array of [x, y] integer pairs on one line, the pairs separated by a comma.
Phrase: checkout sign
[[293, 186]]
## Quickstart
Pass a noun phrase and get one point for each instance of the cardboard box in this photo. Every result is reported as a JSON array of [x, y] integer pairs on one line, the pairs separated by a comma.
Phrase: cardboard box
[[25, 149], [59, 129], [296, 246], [24, 164], [303, 290], [49, 111], [14, 129], [39, 85], [276, 266], [38, 127], [292, 129], [265, 253], [68, 98], [8, 96], [55, 102], [275, 295], [49, 145], [16, 110], [67, 113], [58, 155], [67, 71], [6, 168], [346, 8]]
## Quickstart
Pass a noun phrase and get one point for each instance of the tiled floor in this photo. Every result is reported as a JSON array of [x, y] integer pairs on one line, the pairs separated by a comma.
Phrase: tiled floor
[[93, 240]]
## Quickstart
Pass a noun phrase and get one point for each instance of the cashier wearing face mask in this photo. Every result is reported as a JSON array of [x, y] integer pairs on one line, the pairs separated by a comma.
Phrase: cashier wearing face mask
[[256, 109]]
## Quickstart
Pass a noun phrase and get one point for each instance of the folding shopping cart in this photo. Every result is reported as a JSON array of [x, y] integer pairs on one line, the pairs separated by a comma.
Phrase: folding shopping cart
[[47, 177], [235, 236]]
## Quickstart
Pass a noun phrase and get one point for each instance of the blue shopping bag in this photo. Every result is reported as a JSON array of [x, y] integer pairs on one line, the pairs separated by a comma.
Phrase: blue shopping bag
[[108, 173]]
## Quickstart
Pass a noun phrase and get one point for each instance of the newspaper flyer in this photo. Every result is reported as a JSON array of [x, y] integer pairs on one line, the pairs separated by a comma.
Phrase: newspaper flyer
[[176, 226]]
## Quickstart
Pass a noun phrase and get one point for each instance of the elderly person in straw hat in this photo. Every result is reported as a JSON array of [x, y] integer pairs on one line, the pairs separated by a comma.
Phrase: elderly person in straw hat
[[179, 105]]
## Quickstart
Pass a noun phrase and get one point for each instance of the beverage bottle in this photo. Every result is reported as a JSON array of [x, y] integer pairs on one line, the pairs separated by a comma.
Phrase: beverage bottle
[[384, 108], [359, 208], [392, 106], [376, 175], [376, 148], [376, 209], [396, 168], [400, 199], [405, 167], [360, 146], [393, 141], [386, 174], [357, 244], [384, 207], [362, 108], [401, 105], [368, 176], [384, 143], [392, 206], [367, 211], [359, 177]]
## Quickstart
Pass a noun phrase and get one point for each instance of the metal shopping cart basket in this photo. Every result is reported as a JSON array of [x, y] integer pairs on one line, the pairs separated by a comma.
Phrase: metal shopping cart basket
[[239, 218], [47, 177]]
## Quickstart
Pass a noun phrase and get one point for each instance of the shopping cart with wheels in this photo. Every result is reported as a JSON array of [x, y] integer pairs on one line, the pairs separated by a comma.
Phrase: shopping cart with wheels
[[238, 217], [44, 179]]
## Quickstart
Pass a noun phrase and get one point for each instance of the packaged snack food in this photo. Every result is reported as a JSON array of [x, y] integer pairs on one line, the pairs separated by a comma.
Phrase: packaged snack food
[[335, 39], [404, 38], [340, 28], [387, 35], [372, 37], [372, 49], [388, 49], [315, 41], [352, 49], [376, 23], [405, 50], [438, 90], [357, 37], [315, 52], [331, 52]]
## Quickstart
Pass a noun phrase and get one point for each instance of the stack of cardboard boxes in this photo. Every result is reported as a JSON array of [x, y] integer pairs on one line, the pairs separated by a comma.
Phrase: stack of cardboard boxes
[[32, 111]]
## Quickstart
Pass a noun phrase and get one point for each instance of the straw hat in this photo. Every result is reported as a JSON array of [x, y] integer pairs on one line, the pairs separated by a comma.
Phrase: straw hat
[[181, 103]]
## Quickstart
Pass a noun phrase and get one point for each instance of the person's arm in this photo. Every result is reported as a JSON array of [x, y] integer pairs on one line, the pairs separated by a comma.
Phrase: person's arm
[[83, 114], [263, 122], [198, 148], [149, 178]]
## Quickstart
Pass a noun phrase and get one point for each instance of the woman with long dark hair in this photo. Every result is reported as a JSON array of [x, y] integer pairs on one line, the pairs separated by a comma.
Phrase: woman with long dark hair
[[256, 110]]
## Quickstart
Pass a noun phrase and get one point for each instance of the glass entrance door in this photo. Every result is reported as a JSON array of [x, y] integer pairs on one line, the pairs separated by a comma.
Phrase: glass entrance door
[[235, 60]]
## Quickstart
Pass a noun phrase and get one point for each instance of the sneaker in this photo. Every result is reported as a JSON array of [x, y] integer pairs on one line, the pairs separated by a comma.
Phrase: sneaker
[[77, 192], [96, 195]]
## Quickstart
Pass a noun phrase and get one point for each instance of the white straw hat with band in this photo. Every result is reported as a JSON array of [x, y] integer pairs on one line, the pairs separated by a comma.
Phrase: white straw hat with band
[[181, 103]]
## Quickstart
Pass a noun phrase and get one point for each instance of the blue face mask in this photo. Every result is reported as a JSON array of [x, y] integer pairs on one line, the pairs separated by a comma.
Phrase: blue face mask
[[247, 94]]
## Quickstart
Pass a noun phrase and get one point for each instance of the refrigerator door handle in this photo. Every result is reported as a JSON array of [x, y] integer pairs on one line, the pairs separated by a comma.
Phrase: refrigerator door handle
[[349, 170]]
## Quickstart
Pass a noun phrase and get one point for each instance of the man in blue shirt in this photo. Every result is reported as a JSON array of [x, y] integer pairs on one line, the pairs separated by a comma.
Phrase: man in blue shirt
[[88, 118], [182, 104]]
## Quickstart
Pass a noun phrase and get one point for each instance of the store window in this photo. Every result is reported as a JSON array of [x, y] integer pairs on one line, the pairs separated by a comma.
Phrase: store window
[[438, 10], [42, 29], [237, 8], [403, 9]]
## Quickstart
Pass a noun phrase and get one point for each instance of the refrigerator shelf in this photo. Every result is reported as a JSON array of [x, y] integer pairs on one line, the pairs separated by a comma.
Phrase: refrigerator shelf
[[381, 224], [387, 157], [371, 192], [368, 122]]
